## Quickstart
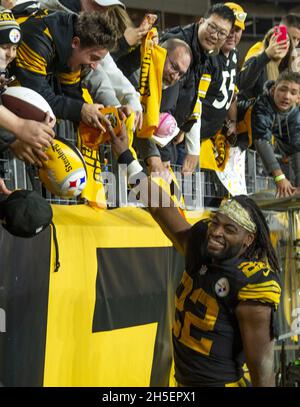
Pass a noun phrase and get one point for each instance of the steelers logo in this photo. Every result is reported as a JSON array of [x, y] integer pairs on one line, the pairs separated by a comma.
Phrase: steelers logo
[[73, 184], [112, 118], [14, 36], [222, 287]]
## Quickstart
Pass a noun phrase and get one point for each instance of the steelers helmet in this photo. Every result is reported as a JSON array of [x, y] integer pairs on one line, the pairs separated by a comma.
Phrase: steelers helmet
[[64, 173]]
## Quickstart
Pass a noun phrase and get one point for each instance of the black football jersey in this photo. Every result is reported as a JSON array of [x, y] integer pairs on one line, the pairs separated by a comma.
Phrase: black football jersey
[[218, 98], [208, 349]]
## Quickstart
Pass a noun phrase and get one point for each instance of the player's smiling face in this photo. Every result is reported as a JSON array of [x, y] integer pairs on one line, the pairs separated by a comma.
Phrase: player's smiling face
[[226, 239]]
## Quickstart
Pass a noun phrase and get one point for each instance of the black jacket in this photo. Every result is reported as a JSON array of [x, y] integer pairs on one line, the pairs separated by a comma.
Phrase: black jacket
[[252, 77], [268, 121], [42, 63]]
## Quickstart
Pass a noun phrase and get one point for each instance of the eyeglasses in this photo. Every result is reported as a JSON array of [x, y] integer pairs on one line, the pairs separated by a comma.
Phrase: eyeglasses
[[175, 68], [240, 16], [213, 29]]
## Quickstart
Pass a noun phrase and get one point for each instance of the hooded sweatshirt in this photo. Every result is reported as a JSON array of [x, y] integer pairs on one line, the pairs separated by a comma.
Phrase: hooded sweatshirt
[[42, 63], [107, 84], [268, 122]]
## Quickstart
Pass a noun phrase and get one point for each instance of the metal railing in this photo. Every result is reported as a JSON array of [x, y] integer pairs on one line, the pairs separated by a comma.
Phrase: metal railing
[[202, 189]]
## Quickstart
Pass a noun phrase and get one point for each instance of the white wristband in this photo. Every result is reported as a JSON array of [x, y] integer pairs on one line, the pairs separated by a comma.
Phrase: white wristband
[[133, 168]]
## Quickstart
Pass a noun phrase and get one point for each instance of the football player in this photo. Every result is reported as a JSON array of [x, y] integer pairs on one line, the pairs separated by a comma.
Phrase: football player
[[228, 294]]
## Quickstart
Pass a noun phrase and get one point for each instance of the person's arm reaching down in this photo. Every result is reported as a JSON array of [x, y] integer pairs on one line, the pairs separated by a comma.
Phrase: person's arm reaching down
[[168, 217]]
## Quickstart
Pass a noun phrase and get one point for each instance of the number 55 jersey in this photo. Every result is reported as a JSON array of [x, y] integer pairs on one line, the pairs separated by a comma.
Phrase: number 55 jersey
[[219, 96], [208, 349]]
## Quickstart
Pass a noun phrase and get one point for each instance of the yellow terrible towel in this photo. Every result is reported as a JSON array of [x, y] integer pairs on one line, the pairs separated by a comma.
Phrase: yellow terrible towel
[[214, 153], [152, 65]]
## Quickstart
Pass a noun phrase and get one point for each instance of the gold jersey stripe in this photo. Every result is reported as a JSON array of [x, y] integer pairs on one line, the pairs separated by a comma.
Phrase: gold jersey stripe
[[22, 20], [31, 53], [70, 78], [28, 59], [206, 77], [260, 288], [30, 64], [204, 85], [47, 32], [265, 284], [240, 383], [29, 67], [266, 296], [260, 291]]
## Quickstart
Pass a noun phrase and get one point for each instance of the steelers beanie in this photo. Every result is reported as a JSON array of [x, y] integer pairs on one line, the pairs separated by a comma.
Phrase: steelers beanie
[[10, 31]]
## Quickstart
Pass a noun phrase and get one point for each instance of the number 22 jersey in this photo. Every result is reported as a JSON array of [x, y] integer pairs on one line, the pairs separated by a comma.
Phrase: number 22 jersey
[[208, 349]]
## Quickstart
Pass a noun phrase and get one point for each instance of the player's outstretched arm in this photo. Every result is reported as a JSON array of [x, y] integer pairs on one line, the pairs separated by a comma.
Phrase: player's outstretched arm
[[160, 205]]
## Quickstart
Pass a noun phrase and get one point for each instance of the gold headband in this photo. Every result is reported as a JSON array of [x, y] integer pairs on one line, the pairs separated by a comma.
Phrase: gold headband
[[238, 214]]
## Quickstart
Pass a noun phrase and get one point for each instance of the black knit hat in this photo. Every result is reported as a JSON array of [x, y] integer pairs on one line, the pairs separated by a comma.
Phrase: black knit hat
[[10, 31], [25, 213]]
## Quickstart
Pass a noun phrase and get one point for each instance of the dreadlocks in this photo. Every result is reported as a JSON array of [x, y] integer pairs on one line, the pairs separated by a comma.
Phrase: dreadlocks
[[261, 248]]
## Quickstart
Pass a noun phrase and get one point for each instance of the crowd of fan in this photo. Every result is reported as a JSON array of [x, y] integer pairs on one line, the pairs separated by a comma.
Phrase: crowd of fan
[[82, 55]]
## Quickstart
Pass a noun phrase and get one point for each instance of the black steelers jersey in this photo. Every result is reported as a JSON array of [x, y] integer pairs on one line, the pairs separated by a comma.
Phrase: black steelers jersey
[[208, 349], [219, 96]]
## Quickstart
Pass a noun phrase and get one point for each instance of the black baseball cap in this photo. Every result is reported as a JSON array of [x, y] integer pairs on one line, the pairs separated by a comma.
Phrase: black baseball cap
[[25, 213]]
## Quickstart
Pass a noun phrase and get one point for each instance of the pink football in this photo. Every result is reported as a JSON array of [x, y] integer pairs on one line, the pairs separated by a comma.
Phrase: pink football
[[167, 125]]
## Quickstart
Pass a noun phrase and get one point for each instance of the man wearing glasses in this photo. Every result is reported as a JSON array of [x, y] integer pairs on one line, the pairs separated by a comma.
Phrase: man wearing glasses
[[220, 102], [178, 59], [206, 36]]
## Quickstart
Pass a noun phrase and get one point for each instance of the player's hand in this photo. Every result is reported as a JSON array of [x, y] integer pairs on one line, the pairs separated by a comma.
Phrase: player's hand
[[118, 143], [3, 188], [37, 135], [190, 164], [134, 36], [155, 167], [25, 152], [284, 189], [91, 115]]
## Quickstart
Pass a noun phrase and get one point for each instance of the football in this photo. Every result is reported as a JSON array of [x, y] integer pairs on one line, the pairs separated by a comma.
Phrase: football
[[26, 103], [167, 125], [167, 129], [64, 173]]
